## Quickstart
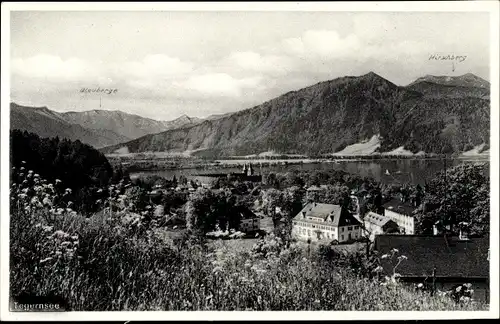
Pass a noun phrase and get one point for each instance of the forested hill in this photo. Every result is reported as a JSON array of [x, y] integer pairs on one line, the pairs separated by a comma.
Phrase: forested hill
[[328, 116], [75, 164]]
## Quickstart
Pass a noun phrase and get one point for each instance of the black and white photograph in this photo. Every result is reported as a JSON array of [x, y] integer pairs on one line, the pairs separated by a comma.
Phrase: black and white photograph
[[250, 159]]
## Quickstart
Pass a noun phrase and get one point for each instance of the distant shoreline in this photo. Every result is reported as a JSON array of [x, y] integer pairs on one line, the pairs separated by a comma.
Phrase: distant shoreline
[[152, 163]]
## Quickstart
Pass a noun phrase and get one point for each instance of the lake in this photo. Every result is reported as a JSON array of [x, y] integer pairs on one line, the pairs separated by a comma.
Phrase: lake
[[386, 171]]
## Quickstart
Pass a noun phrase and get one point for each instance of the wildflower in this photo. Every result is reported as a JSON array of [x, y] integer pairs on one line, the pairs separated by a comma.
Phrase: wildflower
[[420, 285], [73, 213], [69, 210], [36, 175], [394, 250], [385, 256], [58, 181], [378, 269], [47, 201], [458, 289], [402, 257], [68, 190], [99, 190], [23, 162], [22, 168], [60, 234], [47, 228]]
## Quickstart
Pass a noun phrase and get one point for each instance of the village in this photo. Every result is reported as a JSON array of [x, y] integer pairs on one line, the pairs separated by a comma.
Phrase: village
[[440, 259]]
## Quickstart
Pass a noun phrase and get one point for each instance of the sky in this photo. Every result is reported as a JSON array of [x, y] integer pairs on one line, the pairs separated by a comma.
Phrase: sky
[[164, 64]]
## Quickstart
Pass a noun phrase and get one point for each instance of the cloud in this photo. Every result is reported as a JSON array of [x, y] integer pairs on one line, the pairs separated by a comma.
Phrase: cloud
[[321, 43], [253, 61], [53, 68], [154, 66], [218, 84]]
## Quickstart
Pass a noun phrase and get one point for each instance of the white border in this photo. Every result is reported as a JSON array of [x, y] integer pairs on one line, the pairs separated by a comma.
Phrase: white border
[[437, 6]]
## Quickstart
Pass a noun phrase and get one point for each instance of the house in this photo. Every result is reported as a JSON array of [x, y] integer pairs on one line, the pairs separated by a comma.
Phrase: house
[[376, 224], [325, 222], [401, 212], [249, 222], [445, 260]]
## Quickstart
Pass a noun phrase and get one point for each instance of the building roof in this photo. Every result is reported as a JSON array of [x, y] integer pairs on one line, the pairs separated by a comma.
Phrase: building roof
[[245, 213], [329, 213], [396, 205], [453, 258], [377, 219]]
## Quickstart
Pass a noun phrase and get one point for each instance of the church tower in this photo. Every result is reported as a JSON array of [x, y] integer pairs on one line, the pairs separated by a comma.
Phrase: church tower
[[250, 170]]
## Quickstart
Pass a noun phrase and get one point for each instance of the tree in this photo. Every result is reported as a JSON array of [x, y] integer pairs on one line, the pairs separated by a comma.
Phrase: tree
[[458, 196], [208, 208]]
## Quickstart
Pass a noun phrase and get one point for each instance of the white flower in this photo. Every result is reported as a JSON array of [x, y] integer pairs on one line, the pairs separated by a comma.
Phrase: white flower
[[47, 228], [99, 190], [420, 285], [23, 162], [385, 256], [36, 175], [47, 201], [58, 181]]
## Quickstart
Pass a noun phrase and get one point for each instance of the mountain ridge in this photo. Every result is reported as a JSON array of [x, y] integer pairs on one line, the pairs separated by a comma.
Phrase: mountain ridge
[[330, 115]]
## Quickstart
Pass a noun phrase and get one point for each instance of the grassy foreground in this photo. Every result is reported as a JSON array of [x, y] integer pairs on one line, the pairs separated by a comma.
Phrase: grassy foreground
[[102, 264]]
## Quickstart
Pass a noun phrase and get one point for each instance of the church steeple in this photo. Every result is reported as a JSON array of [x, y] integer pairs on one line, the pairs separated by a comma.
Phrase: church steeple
[[250, 169]]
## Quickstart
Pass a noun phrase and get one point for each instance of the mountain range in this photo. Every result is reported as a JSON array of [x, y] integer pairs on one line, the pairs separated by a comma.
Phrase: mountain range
[[98, 128], [434, 114]]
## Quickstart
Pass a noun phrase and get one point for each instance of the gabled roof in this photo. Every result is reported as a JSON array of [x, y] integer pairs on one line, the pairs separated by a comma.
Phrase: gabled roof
[[396, 205], [377, 219], [245, 213], [332, 214], [453, 258]]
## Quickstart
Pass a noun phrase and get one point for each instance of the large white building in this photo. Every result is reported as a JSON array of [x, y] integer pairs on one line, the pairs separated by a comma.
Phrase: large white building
[[325, 222], [401, 213]]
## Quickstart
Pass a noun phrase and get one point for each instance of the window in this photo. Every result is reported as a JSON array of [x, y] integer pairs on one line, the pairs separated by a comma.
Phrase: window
[[349, 228], [356, 227], [343, 228], [341, 237]]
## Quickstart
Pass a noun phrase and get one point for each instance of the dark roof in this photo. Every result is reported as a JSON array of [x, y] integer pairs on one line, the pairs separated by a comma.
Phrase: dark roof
[[332, 214], [245, 213], [396, 205], [451, 257]]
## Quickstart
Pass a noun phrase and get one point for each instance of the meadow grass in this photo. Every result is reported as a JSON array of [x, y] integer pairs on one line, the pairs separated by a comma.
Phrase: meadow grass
[[99, 264]]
